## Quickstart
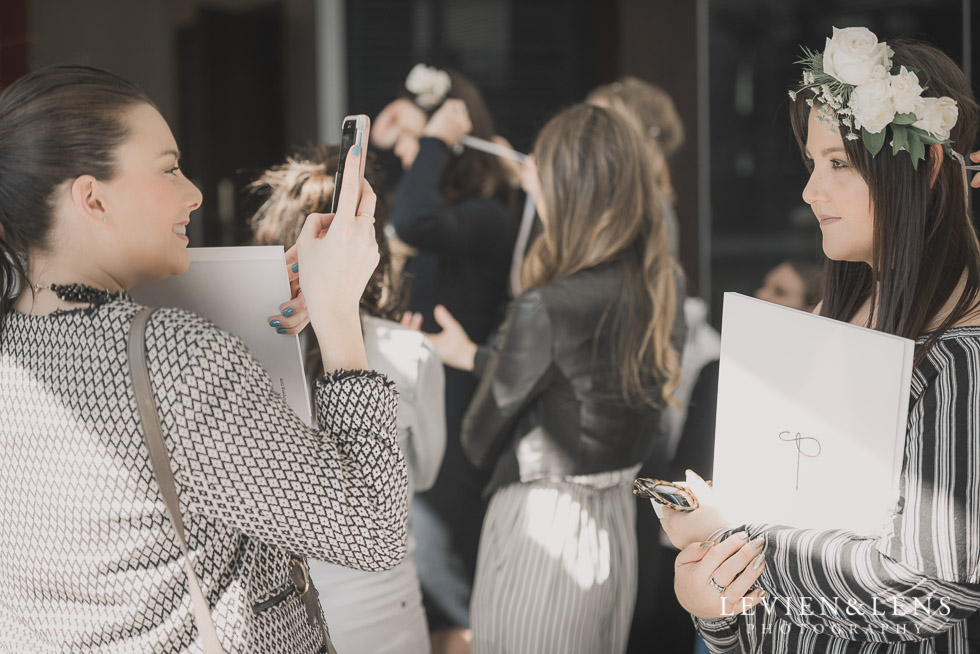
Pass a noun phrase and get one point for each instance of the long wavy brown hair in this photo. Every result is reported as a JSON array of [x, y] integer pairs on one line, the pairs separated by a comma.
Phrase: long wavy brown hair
[[601, 207], [924, 241]]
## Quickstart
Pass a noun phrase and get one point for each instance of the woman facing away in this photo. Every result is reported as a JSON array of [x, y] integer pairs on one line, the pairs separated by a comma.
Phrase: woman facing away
[[453, 209], [376, 612], [571, 394], [904, 259], [93, 202]]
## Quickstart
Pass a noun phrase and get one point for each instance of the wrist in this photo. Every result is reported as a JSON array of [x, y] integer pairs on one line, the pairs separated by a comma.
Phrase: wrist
[[444, 139], [469, 357], [341, 340]]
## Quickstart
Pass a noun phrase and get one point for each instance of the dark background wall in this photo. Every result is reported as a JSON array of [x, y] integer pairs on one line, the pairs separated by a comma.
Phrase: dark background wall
[[238, 79]]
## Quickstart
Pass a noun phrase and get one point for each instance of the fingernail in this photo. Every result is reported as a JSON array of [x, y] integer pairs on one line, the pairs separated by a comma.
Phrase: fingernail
[[763, 595], [281, 330], [288, 312], [356, 150], [276, 323], [758, 542], [295, 267], [716, 534], [758, 561], [706, 545], [744, 535]]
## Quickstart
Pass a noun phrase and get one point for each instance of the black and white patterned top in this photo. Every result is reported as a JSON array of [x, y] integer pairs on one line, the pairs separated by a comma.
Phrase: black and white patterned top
[[915, 588], [88, 557]]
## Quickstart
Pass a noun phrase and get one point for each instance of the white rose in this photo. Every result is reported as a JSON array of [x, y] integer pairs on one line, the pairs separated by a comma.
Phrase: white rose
[[937, 116], [853, 55], [906, 91], [872, 105], [429, 85]]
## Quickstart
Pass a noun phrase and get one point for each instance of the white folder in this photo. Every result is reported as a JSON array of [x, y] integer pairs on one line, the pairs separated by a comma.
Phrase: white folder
[[238, 288], [812, 416]]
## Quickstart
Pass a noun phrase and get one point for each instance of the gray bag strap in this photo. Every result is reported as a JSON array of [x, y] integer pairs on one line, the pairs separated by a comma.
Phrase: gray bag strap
[[164, 473]]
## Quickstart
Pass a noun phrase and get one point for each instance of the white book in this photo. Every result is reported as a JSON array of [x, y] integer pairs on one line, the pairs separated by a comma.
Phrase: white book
[[238, 288], [812, 417]]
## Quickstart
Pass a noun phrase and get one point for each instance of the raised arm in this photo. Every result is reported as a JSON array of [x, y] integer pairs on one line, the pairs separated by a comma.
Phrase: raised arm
[[243, 457], [474, 226]]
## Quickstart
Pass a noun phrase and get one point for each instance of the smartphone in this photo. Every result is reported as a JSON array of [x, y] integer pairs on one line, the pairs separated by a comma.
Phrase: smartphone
[[355, 131]]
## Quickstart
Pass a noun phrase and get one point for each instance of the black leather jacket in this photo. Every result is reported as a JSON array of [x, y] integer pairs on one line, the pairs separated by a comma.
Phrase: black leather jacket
[[545, 407]]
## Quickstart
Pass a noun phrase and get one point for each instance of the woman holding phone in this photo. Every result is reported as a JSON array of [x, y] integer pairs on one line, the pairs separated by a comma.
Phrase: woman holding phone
[[93, 202], [571, 395], [883, 128]]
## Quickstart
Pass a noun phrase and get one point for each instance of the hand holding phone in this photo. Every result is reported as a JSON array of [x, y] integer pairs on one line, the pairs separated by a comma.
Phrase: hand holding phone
[[354, 132]]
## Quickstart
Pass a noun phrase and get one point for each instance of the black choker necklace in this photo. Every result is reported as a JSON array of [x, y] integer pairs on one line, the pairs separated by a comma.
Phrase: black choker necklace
[[79, 293]]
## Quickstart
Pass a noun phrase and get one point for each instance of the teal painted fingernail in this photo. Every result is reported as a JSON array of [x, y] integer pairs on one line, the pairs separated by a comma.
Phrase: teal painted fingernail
[[295, 267], [276, 323], [288, 312], [281, 330], [356, 150]]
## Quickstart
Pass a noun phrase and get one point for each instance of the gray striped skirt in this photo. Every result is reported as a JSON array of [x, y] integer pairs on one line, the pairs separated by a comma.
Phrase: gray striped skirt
[[556, 570]]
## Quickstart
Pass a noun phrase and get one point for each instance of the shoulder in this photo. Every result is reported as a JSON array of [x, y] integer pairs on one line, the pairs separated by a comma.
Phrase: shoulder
[[183, 333], [955, 357], [592, 289]]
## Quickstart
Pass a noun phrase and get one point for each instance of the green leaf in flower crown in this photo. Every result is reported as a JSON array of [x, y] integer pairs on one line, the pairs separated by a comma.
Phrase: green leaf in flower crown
[[928, 138], [904, 119], [873, 142], [900, 138], [916, 149]]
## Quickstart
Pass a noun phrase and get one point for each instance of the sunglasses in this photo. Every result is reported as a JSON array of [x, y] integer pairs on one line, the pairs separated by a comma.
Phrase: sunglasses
[[667, 493]]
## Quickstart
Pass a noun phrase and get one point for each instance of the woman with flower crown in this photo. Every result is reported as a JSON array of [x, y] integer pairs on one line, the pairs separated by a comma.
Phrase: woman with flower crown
[[882, 127], [452, 206]]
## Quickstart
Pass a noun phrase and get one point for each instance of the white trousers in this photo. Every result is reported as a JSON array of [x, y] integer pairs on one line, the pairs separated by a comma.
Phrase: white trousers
[[372, 612]]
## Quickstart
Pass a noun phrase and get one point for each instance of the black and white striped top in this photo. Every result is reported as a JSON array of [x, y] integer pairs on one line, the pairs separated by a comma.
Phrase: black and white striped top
[[915, 587]]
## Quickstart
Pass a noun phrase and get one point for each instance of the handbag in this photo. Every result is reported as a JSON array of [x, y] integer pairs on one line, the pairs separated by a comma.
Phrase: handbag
[[162, 470]]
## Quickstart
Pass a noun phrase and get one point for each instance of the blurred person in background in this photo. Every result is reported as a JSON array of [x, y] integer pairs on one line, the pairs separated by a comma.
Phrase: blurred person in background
[[377, 612], [455, 210], [794, 283]]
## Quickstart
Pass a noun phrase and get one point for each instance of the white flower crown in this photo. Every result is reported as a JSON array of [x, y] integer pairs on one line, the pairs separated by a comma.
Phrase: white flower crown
[[429, 85], [858, 87]]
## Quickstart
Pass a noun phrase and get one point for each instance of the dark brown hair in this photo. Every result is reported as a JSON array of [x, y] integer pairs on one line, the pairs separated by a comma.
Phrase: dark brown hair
[[472, 173], [305, 185], [923, 239], [56, 124], [601, 206]]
